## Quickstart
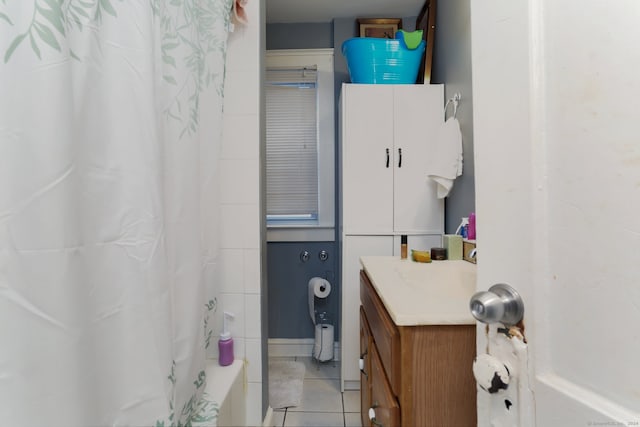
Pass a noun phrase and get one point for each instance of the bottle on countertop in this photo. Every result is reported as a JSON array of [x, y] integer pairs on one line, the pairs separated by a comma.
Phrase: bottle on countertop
[[403, 246], [225, 344], [463, 228], [471, 234]]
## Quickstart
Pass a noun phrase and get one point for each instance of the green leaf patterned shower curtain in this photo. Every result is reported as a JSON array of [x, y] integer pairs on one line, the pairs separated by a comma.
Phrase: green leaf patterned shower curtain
[[110, 125]]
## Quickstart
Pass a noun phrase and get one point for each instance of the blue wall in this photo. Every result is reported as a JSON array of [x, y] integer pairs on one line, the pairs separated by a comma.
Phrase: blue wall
[[452, 66], [299, 36], [288, 277]]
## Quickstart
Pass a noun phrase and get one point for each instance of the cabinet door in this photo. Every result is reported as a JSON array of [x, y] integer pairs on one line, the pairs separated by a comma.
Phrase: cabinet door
[[353, 247], [418, 113], [365, 368], [367, 159]]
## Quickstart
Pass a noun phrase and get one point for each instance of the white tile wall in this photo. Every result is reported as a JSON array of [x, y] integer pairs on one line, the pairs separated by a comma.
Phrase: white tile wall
[[238, 136], [254, 406], [234, 303], [241, 226], [251, 235], [240, 89], [252, 310], [239, 196], [246, 54], [239, 181], [254, 360], [231, 270], [252, 271]]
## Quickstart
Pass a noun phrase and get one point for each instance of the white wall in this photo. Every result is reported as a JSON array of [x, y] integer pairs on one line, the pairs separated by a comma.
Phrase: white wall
[[240, 218]]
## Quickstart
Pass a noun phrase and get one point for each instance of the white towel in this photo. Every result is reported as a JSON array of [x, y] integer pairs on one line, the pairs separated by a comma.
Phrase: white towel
[[444, 164]]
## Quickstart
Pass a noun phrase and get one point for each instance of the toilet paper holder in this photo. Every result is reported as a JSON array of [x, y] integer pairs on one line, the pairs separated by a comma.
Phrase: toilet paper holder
[[319, 288]]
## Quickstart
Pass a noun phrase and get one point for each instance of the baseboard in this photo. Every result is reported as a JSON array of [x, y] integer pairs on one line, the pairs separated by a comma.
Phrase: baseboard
[[352, 385], [297, 347]]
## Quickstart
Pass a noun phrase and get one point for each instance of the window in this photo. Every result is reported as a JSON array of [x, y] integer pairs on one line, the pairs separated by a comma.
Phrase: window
[[292, 144], [300, 162]]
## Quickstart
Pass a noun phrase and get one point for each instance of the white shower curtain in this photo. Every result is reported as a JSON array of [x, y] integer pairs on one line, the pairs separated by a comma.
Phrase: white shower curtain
[[110, 125]]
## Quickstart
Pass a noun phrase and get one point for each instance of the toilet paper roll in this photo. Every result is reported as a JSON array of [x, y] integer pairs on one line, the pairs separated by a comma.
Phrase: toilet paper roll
[[323, 347], [318, 288]]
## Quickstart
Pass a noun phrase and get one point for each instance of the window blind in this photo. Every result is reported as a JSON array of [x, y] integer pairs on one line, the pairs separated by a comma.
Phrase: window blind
[[292, 143]]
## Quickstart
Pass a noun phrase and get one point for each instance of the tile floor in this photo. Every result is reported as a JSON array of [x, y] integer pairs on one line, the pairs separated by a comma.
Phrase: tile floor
[[323, 405]]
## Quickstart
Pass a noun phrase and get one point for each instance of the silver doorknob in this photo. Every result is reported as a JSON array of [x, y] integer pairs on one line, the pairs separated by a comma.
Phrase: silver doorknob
[[501, 303]]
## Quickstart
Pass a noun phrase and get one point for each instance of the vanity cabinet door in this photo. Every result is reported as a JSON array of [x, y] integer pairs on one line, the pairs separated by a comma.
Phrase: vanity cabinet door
[[418, 375], [384, 333], [365, 368], [383, 401]]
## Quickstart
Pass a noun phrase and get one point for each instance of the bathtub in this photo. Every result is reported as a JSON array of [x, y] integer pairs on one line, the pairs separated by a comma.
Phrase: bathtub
[[225, 390]]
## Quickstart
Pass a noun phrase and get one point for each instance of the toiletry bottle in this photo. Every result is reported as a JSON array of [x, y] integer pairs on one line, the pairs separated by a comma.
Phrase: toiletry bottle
[[464, 227], [225, 344], [403, 246], [471, 234]]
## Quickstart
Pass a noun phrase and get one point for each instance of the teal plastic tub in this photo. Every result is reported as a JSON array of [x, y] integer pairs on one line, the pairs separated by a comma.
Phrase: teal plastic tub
[[382, 61]]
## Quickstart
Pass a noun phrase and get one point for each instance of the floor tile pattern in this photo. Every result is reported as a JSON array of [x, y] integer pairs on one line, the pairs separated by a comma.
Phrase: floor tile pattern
[[323, 405]]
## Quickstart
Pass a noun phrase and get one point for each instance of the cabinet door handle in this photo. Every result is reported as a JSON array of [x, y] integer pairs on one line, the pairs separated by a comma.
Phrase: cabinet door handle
[[399, 157], [361, 366], [387, 157], [372, 416]]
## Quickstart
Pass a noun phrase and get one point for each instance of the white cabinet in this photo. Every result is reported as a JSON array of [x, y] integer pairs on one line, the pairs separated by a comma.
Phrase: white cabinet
[[386, 135], [386, 131], [353, 247]]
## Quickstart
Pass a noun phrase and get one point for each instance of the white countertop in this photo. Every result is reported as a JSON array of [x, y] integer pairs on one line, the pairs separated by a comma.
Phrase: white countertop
[[414, 293]]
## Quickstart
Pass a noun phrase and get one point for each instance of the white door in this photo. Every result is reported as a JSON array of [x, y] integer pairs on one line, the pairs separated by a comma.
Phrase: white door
[[367, 159], [417, 117], [556, 94]]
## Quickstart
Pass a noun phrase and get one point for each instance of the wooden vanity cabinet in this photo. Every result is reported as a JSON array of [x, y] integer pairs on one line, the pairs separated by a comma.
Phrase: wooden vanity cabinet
[[414, 375]]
